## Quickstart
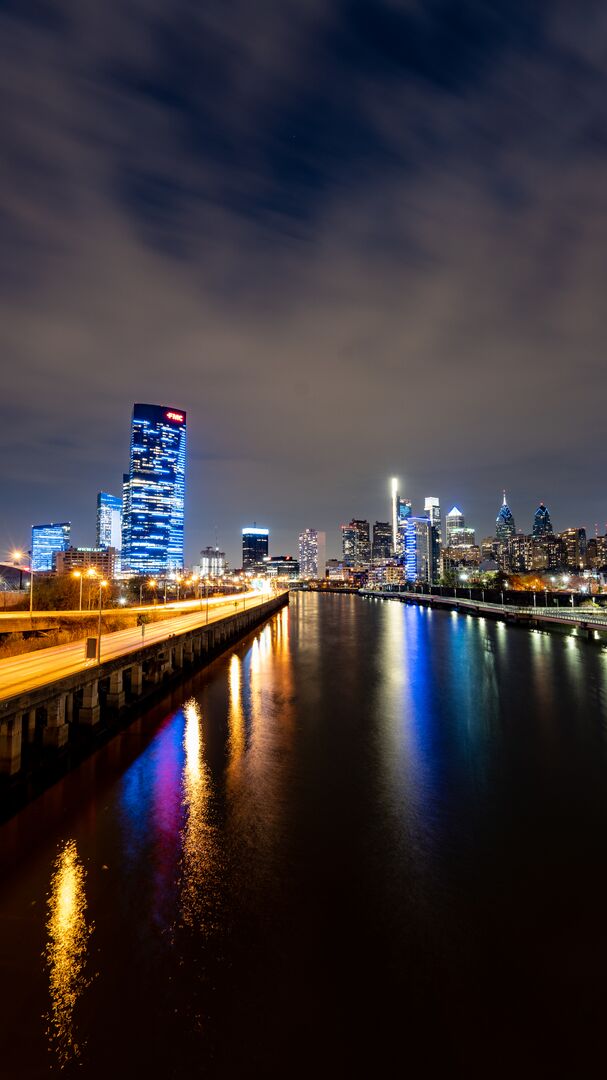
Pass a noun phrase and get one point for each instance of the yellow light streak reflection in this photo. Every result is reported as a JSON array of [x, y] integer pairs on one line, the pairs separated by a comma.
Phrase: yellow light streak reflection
[[236, 742], [66, 951]]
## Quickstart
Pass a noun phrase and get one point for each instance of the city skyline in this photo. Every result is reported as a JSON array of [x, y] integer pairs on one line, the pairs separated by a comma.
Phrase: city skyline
[[361, 257], [283, 539]]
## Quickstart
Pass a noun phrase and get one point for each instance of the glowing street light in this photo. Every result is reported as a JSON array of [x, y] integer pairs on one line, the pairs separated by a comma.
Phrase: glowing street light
[[78, 574], [102, 585], [17, 556]]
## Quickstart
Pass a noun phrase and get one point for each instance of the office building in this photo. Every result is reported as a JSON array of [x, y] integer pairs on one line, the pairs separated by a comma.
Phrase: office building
[[47, 540], [312, 553], [102, 560], [109, 521], [542, 525], [212, 563], [382, 541], [356, 544], [520, 553], [464, 537], [454, 520], [255, 548], [283, 567], [574, 549], [504, 523], [418, 549], [154, 491]]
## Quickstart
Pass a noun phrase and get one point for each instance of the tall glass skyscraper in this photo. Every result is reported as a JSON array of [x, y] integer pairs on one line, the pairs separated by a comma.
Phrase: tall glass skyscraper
[[255, 545], [154, 491], [47, 540], [109, 521], [542, 525]]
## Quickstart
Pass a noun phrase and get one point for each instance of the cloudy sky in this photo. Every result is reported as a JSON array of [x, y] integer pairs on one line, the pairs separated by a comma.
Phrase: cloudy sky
[[350, 239]]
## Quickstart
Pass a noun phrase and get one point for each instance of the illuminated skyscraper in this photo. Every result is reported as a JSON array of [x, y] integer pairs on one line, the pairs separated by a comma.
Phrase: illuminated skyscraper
[[311, 553], [154, 491], [542, 525], [418, 549], [47, 540], [109, 521], [454, 520], [432, 509], [356, 544], [504, 523], [255, 548], [382, 541]]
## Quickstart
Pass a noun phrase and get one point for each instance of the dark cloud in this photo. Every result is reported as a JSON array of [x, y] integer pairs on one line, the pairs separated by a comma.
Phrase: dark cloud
[[351, 240]]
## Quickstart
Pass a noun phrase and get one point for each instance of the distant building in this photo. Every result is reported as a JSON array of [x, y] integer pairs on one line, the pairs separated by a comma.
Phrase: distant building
[[574, 548], [520, 553], [454, 558], [356, 545], [335, 570], [454, 520], [464, 537], [47, 540], [255, 548], [542, 525], [212, 563], [418, 549], [283, 566], [489, 547], [382, 542], [103, 560], [109, 521], [548, 553], [432, 510], [154, 492], [312, 546], [504, 523]]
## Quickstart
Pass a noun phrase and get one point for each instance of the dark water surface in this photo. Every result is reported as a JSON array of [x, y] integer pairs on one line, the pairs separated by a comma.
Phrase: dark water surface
[[374, 837]]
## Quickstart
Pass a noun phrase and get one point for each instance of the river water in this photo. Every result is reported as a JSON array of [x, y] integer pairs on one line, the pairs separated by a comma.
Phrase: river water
[[373, 837]]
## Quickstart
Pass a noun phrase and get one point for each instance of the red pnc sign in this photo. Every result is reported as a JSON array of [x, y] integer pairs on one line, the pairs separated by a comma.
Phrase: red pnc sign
[[177, 416]]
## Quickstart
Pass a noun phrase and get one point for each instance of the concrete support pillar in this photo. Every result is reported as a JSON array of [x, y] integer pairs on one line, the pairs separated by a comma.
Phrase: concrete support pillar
[[55, 731], [137, 678], [69, 708], [197, 644], [178, 655], [10, 745], [89, 711], [115, 695], [29, 719], [188, 651]]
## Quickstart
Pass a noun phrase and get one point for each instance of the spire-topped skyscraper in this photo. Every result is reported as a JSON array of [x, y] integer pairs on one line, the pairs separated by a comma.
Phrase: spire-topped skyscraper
[[542, 525], [504, 523]]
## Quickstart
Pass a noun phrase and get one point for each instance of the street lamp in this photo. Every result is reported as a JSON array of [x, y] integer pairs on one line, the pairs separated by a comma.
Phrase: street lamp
[[78, 574], [102, 585], [91, 574], [17, 557]]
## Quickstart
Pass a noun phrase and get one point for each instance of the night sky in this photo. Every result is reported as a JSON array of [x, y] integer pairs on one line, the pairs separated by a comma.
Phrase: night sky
[[352, 240]]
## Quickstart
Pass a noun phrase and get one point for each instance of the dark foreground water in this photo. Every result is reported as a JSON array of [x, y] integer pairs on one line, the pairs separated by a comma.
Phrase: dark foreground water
[[374, 837]]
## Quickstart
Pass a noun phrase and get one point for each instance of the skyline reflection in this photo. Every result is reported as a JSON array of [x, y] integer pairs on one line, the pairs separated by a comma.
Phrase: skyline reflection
[[199, 848]]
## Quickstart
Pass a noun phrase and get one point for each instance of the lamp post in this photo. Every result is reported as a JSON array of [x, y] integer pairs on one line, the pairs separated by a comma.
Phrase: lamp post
[[91, 573], [78, 574], [17, 556], [102, 585]]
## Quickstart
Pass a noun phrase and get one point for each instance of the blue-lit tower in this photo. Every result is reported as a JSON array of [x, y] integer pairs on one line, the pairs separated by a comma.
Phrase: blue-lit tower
[[154, 491], [47, 540], [542, 525]]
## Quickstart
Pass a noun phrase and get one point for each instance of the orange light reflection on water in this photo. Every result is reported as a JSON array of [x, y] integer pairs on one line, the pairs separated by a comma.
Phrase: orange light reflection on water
[[66, 951]]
